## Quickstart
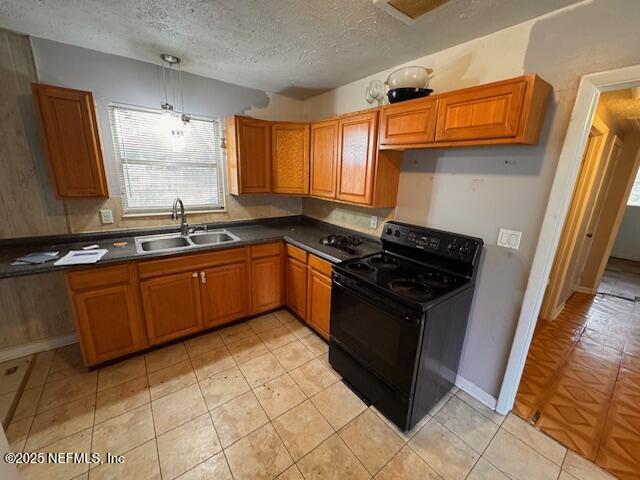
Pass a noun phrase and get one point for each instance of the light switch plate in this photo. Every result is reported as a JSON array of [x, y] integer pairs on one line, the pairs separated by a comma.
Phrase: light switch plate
[[106, 216], [509, 238], [373, 221]]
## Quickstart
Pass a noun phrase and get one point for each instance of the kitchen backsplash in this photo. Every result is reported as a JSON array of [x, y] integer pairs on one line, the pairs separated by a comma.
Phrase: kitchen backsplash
[[348, 216], [83, 215]]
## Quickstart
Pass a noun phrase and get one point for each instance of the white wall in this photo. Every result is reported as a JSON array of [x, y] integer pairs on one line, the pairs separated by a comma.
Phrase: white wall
[[627, 243], [478, 190]]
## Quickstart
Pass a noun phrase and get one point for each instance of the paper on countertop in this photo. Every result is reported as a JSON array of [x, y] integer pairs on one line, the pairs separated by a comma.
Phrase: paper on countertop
[[36, 258], [80, 257]]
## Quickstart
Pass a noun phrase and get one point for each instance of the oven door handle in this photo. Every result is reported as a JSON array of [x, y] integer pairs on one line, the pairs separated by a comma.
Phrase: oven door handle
[[414, 319]]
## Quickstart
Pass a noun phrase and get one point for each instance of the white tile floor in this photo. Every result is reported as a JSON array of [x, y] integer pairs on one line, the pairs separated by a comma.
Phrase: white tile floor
[[259, 400]]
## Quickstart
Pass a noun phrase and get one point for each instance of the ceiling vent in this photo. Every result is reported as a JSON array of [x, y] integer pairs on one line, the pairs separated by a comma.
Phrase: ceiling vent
[[408, 11]]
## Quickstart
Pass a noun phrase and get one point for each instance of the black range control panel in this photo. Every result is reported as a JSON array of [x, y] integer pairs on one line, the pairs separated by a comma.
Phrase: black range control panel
[[458, 247]]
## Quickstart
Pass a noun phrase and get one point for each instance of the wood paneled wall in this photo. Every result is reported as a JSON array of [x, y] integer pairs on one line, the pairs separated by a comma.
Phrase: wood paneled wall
[[33, 308], [27, 203]]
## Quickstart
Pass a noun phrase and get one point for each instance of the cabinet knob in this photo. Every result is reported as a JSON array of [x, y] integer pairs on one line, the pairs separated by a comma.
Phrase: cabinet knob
[[203, 277], [194, 275]]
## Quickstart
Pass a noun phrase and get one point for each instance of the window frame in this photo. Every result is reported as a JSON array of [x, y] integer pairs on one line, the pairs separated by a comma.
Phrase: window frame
[[634, 185], [153, 212]]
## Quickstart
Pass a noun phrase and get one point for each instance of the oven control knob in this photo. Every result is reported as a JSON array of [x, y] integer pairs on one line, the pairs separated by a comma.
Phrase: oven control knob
[[464, 250], [397, 233], [389, 231], [452, 248]]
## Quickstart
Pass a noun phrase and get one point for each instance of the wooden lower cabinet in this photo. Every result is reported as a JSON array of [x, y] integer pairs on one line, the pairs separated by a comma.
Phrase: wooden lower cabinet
[[296, 286], [107, 312], [319, 295], [171, 306], [266, 277], [224, 294]]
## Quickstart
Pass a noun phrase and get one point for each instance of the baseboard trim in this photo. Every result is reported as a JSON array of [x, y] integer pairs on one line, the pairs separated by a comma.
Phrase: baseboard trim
[[37, 346], [558, 311], [476, 392]]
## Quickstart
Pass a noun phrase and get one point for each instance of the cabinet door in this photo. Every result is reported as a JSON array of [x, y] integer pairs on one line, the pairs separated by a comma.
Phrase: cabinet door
[[356, 160], [109, 322], [319, 302], [324, 159], [172, 306], [481, 113], [254, 155], [107, 311], [70, 133], [290, 158], [409, 123], [296, 286], [266, 283], [224, 293]]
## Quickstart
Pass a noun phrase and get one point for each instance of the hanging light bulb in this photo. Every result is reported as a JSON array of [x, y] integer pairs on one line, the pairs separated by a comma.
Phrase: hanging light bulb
[[176, 125]]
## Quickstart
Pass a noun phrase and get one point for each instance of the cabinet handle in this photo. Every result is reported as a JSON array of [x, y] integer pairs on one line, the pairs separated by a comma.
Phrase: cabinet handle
[[203, 277], [194, 275]]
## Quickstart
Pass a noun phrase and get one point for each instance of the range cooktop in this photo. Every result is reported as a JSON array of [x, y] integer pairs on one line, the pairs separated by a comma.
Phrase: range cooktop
[[410, 280]]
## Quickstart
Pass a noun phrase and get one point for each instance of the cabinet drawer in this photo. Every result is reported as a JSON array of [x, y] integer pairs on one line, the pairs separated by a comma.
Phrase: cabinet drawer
[[266, 250], [155, 268], [320, 265], [297, 253], [99, 277]]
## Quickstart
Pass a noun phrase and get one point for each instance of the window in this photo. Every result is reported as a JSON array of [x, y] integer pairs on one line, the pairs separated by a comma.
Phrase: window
[[634, 198], [159, 160]]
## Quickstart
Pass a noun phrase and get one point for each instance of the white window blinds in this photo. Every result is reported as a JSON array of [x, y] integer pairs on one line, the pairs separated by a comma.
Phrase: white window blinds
[[160, 159]]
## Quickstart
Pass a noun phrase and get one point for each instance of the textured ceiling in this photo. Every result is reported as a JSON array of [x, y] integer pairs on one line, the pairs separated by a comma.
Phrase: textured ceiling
[[624, 108], [295, 47]]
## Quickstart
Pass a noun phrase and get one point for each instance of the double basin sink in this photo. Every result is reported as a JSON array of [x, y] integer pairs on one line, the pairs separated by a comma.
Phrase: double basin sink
[[174, 241]]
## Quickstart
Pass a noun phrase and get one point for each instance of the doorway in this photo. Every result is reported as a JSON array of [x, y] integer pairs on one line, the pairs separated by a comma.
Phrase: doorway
[[581, 380]]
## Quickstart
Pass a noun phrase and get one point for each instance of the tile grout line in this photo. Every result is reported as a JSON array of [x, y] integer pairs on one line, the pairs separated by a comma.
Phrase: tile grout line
[[212, 422], [153, 419], [93, 422]]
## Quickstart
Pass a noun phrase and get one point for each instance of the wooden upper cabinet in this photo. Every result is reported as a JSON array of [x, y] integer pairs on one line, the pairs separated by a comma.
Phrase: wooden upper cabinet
[[107, 312], [409, 123], [507, 112], [356, 157], [324, 158], [172, 306], [248, 155], [481, 113], [70, 134], [290, 158]]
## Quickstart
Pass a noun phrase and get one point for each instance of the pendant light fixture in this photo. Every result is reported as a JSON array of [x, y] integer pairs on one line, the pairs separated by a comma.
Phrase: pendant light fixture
[[176, 124]]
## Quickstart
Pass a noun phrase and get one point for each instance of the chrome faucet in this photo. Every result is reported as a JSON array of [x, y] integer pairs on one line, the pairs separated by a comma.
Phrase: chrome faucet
[[184, 226]]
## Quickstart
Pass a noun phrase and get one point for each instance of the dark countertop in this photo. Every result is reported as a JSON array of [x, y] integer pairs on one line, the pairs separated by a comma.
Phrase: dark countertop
[[300, 231]]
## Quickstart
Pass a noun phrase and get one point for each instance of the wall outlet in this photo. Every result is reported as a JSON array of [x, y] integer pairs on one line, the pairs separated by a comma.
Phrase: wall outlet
[[106, 216], [373, 221], [509, 238]]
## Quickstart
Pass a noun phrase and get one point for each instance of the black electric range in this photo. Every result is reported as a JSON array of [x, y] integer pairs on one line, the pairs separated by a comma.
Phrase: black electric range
[[399, 317]]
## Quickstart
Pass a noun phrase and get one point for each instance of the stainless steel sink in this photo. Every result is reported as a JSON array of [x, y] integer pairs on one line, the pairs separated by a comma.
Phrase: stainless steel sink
[[209, 238], [160, 243], [177, 242]]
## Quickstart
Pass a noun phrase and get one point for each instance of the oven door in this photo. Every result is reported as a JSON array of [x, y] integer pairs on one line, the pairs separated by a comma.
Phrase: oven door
[[376, 332]]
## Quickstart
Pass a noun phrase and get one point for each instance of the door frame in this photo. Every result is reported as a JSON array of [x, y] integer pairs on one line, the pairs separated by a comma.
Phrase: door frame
[[563, 270], [617, 142], [589, 90]]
